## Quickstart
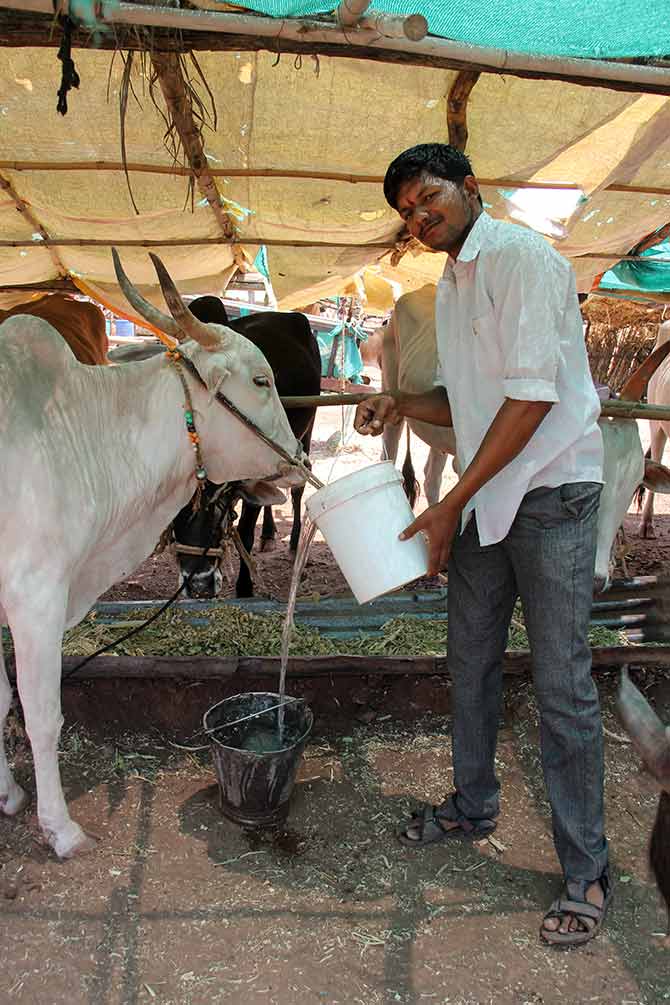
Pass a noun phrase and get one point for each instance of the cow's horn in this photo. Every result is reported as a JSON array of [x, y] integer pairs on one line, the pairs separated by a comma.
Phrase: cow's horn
[[645, 729], [150, 313], [188, 322], [636, 384]]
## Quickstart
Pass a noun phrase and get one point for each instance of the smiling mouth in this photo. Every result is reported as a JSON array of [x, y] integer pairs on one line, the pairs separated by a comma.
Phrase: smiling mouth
[[428, 229]]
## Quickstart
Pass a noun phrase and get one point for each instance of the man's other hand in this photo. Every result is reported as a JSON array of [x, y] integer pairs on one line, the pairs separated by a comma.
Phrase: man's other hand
[[374, 413]]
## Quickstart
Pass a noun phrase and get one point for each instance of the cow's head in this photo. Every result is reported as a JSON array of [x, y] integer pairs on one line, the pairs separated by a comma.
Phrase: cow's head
[[625, 468], [199, 532], [650, 737], [228, 362]]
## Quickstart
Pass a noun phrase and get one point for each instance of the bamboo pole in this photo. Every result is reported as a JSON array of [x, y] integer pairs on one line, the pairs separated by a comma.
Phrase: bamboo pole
[[413, 27], [349, 12], [33, 222], [617, 409], [181, 242], [185, 242], [610, 409], [281, 173], [319, 36]]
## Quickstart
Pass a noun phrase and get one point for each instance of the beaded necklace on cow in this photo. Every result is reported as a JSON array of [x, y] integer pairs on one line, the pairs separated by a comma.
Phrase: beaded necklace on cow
[[175, 358]]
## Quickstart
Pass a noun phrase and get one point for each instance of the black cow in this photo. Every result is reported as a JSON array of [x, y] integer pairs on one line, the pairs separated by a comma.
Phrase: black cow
[[287, 342]]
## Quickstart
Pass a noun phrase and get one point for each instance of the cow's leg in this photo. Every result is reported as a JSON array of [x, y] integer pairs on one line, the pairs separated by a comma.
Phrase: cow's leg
[[38, 638], [391, 441], [12, 796], [658, 439], [432, 475], [268, 530], [246, 529]]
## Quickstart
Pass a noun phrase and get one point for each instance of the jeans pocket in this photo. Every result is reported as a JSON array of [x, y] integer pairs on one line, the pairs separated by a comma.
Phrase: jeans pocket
[[580, 499]]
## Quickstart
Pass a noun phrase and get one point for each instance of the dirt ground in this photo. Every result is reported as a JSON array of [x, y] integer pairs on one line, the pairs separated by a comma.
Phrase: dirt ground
[[177, 906]]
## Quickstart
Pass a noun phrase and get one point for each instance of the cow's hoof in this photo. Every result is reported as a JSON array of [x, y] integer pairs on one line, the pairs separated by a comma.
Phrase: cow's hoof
[[268, 544], [648, 532], [14, 801], [74, 843]]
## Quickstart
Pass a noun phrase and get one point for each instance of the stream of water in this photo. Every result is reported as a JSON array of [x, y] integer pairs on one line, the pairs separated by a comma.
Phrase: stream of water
[[304, 544]]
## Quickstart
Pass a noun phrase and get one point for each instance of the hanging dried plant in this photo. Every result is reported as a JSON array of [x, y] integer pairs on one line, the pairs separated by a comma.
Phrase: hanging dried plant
[[180, 93]]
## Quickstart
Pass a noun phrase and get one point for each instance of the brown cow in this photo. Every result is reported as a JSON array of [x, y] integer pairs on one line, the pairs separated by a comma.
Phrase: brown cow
[[80, 322]]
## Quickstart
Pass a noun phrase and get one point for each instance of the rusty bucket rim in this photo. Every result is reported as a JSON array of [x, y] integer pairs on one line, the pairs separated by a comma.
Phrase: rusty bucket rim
[[253, 694]]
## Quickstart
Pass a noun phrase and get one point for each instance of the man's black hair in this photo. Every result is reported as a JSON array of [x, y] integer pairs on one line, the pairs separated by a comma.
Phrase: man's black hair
[[438, 159]]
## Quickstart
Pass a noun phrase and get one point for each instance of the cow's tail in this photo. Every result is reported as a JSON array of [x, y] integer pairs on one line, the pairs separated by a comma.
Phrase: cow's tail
[[639, 493], [409, 482]]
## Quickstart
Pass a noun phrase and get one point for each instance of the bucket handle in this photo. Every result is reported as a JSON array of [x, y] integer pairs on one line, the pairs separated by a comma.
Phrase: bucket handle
[[262, 711]]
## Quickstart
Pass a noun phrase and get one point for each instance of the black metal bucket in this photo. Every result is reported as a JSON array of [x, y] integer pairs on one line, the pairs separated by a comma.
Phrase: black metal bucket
[[255, 785]]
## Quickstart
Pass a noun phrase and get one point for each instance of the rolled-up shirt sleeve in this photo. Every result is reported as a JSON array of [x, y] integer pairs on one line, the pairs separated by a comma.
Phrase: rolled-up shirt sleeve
[[531, 290]]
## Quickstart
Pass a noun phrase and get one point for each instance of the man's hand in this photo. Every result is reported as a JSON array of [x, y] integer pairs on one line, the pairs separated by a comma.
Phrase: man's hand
[[439, 523], [374, 413]]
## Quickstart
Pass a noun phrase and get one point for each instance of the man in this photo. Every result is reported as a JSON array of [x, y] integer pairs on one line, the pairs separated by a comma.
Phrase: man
[[513, 380]]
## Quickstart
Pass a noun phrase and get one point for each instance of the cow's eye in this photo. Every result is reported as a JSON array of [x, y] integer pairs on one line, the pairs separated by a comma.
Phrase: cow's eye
[[262, 381]]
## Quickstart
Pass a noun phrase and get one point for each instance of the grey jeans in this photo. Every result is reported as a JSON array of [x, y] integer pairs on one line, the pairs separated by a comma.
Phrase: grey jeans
[[547, 559]]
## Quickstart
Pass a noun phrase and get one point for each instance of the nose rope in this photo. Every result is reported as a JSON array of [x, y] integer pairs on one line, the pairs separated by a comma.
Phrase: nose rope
[[178, 358]]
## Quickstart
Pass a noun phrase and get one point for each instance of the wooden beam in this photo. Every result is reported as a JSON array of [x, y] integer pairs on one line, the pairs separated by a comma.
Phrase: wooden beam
[[180, 30], [414, 26], [609, 409], [213, 668], [271, 242], [33, 222], [457, 107], [168, 67], [266, 172], [184, 242], [349, 12]]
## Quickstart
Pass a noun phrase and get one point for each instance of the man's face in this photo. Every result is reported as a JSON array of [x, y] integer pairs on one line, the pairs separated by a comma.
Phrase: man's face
[[437, 212]]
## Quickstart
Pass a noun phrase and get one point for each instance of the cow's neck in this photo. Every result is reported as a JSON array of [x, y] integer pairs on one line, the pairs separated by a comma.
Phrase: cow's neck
[[155, 399]]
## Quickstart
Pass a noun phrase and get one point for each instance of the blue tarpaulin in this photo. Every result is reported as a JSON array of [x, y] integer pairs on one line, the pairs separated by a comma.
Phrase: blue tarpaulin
[[346, 361], [644, 276]]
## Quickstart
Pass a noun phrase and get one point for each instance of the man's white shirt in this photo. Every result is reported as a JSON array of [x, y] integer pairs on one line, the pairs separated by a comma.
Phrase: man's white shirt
[[508, 326]]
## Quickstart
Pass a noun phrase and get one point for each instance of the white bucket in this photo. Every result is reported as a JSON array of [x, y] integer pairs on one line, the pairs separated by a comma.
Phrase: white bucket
[[360, 517]]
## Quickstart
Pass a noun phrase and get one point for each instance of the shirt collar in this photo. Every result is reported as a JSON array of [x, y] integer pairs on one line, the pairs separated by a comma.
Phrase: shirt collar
[[476, 238]]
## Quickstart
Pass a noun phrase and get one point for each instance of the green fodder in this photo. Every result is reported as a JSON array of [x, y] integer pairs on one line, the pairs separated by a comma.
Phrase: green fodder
[[229, 631]]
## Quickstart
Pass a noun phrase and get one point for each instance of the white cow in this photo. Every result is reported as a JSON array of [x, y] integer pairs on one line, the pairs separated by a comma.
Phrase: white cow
[[658, 394], [407, 351], [96, 462]]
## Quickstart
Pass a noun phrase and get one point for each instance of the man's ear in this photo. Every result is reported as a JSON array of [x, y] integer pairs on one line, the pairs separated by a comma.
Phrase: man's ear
[[471, 186]]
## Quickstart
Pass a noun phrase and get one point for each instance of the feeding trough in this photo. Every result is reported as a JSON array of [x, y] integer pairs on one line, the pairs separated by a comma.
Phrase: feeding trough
[[257, 740]]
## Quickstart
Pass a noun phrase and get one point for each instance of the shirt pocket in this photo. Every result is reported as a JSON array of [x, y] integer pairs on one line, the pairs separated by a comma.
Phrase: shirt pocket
[[487, 349]]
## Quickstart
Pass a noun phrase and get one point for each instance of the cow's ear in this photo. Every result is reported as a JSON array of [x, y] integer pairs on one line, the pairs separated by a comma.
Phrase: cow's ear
[[215, 375], [656, 476]]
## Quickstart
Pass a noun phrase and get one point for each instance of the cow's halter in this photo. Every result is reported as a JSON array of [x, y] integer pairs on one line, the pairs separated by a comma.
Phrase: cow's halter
[[179, 360]]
